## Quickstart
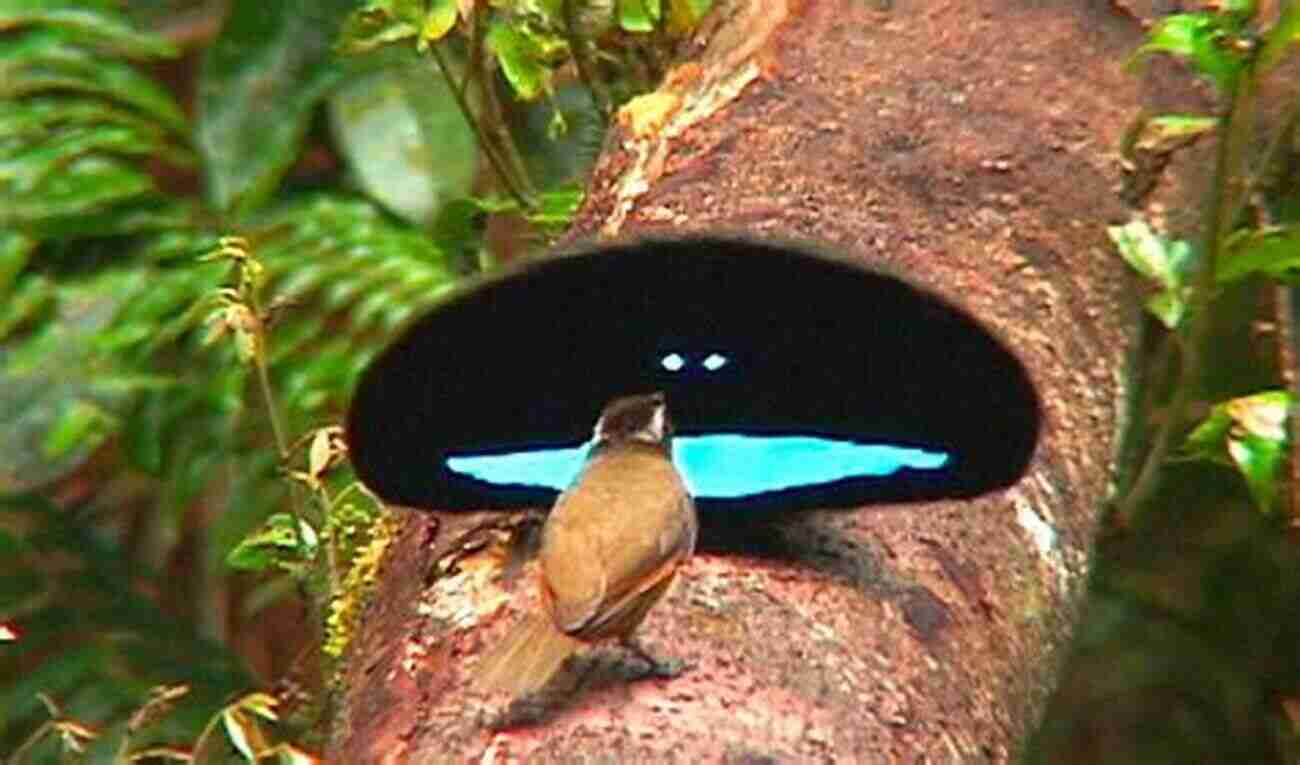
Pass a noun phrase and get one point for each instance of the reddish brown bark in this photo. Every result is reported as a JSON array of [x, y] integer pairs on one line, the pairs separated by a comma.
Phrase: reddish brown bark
[[966, 144]]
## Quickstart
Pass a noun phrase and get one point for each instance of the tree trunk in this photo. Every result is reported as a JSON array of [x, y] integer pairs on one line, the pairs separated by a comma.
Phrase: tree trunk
[[967, 145]]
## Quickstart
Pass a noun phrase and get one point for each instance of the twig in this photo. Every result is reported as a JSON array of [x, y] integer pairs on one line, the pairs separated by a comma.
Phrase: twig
[[600, 97], [486, 145]]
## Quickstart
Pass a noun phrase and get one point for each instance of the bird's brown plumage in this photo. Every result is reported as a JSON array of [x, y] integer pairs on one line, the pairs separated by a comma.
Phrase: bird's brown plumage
[[610, 549]]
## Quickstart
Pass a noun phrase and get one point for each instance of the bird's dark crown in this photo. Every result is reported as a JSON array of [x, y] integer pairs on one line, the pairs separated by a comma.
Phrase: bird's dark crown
[[635, 418]]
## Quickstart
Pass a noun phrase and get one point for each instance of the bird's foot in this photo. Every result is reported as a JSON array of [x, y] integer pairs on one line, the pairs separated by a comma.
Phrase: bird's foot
[[665, 668]]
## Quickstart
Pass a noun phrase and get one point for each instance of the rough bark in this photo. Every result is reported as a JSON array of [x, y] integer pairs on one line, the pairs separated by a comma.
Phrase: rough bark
[[967, 144]]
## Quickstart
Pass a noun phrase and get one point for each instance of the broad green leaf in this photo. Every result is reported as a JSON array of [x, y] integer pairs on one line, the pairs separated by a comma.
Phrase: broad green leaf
[[1208, 440], [1257, 443], [405, 139], [438, 21], [275, 544], [520, 57], [1158, 259], [1259, 461], [1262, 415], [1284, 34], [1249, 433], [1270, 251], [1169, 306], [260, 81], [1163, 261], [638, 15], [379, 23], [1199, 38]]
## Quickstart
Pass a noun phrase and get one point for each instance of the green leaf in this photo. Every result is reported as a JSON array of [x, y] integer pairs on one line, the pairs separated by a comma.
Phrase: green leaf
[[520, 57], [26, 170], [260, 81], [438, 21], [1209, 439], [1169, 306], [1257, 443], [1199, 38], [556, 207], [1169, 131], [242, 732], [1161, 260], [1249, 433], [82, 426], [105, 29], [275, 545], [405, 139], [638, 15], [15, 250], [1259, 461], [42, 62], [1269, 251], [1284, 34], [88, 185], [379, 23]]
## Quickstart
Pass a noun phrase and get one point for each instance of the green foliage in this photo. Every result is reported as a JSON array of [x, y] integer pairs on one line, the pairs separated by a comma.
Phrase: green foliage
[[180, 299], [1165, 262], [404, 137], [110, 642], [1250, 434], [260, 83], [77, 121], [1249, 233]]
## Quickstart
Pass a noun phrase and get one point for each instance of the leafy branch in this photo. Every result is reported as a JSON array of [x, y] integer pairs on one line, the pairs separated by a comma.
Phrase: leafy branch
[[1228, 47]]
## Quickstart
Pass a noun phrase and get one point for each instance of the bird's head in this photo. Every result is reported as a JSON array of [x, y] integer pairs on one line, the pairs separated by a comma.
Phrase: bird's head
[[639, 419]]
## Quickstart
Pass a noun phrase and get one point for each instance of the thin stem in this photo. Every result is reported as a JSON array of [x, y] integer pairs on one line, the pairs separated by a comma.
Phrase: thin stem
[[474, 61], [493, 116], [600, 97], [1223, 210], [20, 754], [507, 180], [1284, 320]]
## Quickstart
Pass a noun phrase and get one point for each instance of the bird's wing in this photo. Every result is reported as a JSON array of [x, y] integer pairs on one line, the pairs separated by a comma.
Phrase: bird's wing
[[618, 533]]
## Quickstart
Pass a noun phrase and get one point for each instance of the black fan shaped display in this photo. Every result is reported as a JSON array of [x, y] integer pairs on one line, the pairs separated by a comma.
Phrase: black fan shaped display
[[796, 379]]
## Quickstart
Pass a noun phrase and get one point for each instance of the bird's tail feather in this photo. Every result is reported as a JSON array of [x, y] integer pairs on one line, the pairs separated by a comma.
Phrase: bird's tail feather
[[526, 658]]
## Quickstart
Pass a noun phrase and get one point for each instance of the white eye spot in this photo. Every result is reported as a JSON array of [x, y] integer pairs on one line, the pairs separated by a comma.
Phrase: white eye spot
[[673, 362], [715, 361]]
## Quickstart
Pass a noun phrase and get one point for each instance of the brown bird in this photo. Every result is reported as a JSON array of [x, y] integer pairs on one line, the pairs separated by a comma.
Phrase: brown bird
[[610, 548]]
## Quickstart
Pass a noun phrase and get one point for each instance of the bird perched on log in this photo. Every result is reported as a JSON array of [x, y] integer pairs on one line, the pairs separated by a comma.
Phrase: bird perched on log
[[610, 549]]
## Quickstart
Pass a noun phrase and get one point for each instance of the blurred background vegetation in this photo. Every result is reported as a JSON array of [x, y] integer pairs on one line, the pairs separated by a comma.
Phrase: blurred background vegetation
[[213, 214]]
